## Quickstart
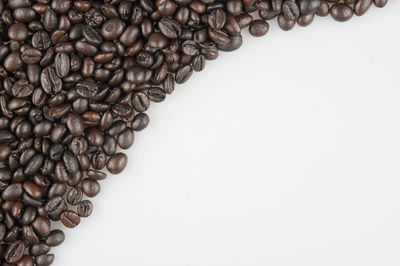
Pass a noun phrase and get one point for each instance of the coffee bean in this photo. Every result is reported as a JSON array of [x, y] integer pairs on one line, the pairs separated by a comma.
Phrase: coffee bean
[[156, 94], [117, 163], [40, 249], [70, 219], [90, 187], [44, 260], [258, 28], [14, 251], [234, 43], [183, 74], [50, 82], [112, 29], [309, 7], [290, 10], [85, 208], [341, 12], [55, 206]]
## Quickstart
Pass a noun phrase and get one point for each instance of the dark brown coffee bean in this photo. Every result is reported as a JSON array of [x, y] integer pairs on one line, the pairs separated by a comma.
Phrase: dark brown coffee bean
[[70, 219], [18, 32], [55, 238], [98, 160], [90, 187], [290, 10], [14, 251], [74, 196], [55, 206], [170, 28], [40, 249], [258, 28], [341, 12], [50, 20], [125, 139], [112, 29], [117, 163], [50, 82], [308, 7], [183, 74], [85, 208], [44, 260], [140, 102], [12, 192]]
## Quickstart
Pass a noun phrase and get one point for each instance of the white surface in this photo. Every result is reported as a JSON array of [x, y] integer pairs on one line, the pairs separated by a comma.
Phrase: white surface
[[284, 153]]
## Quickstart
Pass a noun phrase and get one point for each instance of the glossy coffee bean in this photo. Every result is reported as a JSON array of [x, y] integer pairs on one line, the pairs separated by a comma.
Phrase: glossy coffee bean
[[117, 163]]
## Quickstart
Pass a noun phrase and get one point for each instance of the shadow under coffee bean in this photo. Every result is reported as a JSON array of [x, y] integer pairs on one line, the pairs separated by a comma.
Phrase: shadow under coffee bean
[[76, 80]]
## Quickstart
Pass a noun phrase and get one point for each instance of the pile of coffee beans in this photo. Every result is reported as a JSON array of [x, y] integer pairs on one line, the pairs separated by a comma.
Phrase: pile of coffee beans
[[76, 80]]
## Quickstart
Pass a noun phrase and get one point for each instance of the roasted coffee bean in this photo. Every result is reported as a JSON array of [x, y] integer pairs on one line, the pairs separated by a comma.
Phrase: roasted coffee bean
[[87, 88], [341, 12], [50, 82], [258, 28], [34, 165], [308, 7], [117, 163], [183, 74], [90, 187], [14, 251], [55, 206], [70, 219], [13, 192], [75, 125], [170, 28], [234, 43], [40, 249], [74, 196], [290, 10], [140, 102], [140, 122], [44, 260], [85, 208]]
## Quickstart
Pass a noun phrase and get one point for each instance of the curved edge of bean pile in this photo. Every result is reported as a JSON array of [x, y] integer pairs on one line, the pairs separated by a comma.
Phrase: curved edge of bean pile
[[76, 80]]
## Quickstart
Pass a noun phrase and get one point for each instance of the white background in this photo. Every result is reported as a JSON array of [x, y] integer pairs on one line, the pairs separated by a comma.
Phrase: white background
[[283, 153]]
